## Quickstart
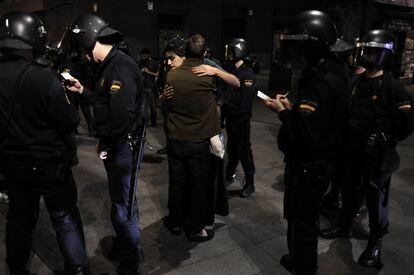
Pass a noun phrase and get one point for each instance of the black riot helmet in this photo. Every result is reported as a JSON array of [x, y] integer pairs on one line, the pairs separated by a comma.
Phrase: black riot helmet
[[237, 50], [87, 29], [376, 49], [315, 32], [22, 31]]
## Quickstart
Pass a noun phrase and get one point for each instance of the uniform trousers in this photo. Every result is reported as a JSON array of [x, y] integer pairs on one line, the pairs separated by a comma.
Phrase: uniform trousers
[[26, 181]]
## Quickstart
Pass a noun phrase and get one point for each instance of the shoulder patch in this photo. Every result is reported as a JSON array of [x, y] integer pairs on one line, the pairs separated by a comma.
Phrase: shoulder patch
[[308, 106], [116, 86], [404, 106], [248, 83]]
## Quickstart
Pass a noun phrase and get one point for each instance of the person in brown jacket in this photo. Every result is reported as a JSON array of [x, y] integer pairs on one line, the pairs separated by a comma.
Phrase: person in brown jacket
[[192, 120]]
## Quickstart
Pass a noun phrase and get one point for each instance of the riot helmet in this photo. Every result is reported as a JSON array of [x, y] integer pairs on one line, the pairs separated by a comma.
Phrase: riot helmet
[[237, 50], [314, 33], [87, 29], [22, 31], [376, 49]]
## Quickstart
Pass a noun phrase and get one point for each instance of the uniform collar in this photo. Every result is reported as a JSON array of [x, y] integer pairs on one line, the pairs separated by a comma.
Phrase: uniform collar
[[325, 64], [243, 66], [109, 57]]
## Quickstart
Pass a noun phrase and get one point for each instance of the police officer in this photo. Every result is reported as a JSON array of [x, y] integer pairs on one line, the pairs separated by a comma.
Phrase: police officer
[[381, 113], [35, 120], [238, 114], [74, 65], [310, 135], [117, 105]]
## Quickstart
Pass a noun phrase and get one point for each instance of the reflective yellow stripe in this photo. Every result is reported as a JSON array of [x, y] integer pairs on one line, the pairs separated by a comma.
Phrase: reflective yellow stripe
[[307, 107], [404, 107]]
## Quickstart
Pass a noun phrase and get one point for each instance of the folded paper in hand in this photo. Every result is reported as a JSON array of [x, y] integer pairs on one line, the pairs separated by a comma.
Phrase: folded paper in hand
[[217, 145], [262, 95]]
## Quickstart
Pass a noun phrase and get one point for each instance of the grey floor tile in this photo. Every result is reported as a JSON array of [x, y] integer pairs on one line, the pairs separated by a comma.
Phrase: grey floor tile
[[249, 260]]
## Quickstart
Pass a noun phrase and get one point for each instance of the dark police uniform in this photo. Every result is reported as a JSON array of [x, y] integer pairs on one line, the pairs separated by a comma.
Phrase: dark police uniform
[[381, 113], [238, 114], [80, 71], [310, 136], [35, 157], [117, 102]]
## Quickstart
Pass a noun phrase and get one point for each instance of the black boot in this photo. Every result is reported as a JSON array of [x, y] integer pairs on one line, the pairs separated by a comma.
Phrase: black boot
[[77, 270], [371, 256], [335, 232], [114, 254], [131, 264], [230, 177], [162, 151], [128, 269], [248, 188], [287, 262], [247, 191]]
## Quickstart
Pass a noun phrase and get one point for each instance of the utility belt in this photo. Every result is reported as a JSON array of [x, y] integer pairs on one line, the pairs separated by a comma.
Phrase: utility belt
[[315, 171], [29, 160], [379, 154], [61, 165]]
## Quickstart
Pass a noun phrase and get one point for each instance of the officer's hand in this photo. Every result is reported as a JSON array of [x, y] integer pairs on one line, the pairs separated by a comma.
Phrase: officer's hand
[[275, 104], [103, 154], [73, 85], [285, 101], [167, 93], [203, 70]]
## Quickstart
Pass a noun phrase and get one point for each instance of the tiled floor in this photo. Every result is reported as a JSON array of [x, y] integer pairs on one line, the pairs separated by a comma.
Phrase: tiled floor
[[250, 240]]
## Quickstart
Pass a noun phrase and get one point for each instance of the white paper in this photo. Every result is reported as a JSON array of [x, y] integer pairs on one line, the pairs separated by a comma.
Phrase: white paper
[[262, 95], [67, 76]]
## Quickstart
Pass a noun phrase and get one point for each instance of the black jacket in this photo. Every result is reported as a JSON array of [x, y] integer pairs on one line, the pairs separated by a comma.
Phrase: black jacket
[[314, 129], [118, 97], [240, 101], [42, 116], [378, 105]]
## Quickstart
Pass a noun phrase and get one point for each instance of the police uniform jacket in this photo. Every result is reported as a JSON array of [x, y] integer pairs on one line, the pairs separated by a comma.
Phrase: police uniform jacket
[[314, 128], [117, 99], [380, 105], [240, 101], [42, 116]]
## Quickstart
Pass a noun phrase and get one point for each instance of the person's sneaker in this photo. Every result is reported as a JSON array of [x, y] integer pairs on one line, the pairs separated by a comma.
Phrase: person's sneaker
[[4, 198]]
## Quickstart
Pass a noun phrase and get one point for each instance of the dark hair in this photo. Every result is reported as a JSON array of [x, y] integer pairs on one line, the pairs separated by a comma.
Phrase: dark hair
[[196, 46], [176, 45], [145, 51]]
